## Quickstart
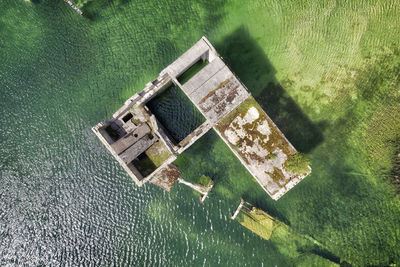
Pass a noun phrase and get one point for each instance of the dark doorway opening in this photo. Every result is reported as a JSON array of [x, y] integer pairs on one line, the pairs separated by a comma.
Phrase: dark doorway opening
[[127, 117]]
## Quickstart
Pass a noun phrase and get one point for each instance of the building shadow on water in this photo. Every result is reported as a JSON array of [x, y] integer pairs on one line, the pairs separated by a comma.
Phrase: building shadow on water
[[246, 58], [92, 8], [249, 62]]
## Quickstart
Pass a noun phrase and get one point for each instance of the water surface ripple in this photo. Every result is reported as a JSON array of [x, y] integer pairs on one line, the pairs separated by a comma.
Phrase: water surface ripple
[[64, 200]]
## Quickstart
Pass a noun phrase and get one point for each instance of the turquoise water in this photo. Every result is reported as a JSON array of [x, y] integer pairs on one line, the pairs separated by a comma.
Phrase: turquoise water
[[66, 201]]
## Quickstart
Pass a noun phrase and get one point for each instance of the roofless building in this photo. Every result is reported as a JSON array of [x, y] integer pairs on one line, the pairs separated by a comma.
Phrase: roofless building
[[157, 124]]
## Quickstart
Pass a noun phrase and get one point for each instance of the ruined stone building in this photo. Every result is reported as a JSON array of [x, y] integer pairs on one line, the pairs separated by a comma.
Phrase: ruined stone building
[[145, 143]]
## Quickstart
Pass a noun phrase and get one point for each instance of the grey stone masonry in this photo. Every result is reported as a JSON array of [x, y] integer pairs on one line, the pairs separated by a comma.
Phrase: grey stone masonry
[[129, 139], [137, 148], [144, 148]]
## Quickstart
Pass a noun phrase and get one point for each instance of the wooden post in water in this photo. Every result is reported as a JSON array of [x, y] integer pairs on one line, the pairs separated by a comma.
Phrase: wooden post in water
[[74, 7], [208, 191], [238, 209]]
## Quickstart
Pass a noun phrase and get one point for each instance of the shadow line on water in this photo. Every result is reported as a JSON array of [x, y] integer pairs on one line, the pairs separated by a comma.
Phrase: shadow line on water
[[247, 59]]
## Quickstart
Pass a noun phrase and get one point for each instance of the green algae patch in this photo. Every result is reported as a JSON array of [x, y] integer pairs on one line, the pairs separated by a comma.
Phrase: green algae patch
[[80, 3], [158, 153], [308, 259], [298, 163], [205, 180], [225, 192], [319, 59], [301, 248], [276, 175], [258, 221]]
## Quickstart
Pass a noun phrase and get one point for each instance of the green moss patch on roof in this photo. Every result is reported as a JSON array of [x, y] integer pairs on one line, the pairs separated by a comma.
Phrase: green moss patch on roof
[[158, 153], [275, 137], [260, 144]]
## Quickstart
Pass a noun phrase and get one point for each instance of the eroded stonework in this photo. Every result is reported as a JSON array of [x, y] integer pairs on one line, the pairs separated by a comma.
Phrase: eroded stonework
[[145, 148]]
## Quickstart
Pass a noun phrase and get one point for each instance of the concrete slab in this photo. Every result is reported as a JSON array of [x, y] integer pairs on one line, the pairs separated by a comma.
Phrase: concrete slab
[[260, 146], [137, 148], [187, 59], [219, 95], [203, 76], [129, 139]]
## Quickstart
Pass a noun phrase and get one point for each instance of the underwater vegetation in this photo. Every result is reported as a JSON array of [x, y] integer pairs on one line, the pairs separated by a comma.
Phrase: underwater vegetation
[[298, 163], [326, 72], [302, 249], [342, 113]]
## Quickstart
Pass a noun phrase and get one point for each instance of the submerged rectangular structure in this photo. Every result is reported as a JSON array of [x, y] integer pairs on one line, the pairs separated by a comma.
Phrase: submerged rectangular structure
[[146, 143]]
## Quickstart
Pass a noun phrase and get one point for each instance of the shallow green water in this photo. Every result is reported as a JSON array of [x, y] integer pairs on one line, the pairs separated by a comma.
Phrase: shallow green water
[[176, 113], [327, 73]]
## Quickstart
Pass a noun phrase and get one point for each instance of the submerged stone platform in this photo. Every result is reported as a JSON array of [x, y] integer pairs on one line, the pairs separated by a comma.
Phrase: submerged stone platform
[[145, 148]]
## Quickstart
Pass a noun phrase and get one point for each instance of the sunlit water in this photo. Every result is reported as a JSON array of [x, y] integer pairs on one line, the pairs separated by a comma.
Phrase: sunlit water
[[65, 201]]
